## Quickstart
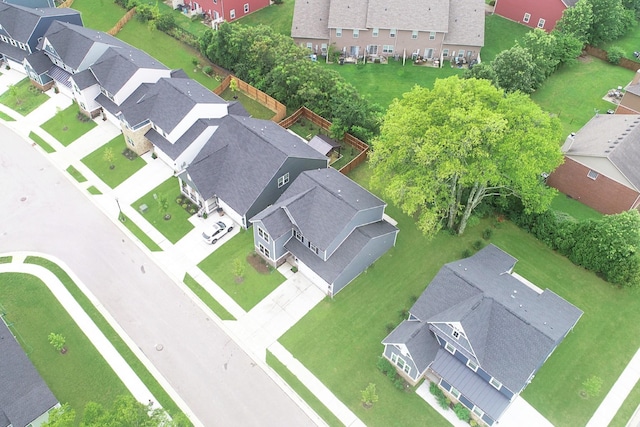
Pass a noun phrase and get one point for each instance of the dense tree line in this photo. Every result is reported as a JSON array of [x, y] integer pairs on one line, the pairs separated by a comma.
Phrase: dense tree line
[[277, 66], [609, 246]]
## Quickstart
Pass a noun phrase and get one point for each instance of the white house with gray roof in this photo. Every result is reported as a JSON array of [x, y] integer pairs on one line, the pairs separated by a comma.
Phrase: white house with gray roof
[[432, 29], [245, 165], [481, 331], [25, 399], [21, 28], [331, 228]]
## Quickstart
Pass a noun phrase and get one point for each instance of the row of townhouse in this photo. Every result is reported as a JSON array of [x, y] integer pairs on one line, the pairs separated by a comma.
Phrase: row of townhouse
[[223, 158]]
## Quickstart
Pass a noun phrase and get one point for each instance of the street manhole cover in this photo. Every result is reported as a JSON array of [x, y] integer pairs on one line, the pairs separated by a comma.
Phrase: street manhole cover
[[159, 347], [23, 199]]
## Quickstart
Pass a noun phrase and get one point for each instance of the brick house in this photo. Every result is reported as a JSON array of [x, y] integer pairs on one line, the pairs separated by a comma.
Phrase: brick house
[[533, 13], [375, 28], [601, 164]]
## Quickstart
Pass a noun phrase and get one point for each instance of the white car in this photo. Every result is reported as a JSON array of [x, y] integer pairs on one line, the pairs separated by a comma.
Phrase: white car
[[214, 232]]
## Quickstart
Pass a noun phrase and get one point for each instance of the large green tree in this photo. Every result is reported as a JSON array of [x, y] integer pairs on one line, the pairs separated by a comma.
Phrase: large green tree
[[442, 151]]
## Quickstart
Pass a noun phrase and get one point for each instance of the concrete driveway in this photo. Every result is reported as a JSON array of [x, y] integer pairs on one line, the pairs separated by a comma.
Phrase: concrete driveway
[[42, 211]]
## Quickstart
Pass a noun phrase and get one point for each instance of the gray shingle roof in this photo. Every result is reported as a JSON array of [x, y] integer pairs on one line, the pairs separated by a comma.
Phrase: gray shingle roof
[[33, 3], [72, 43], [177, 148], [409, 15], [466, 23], [227, 165], [480, 392], [348, 14], [39, 61], [117, 65], [12, 52], [511, 327], [352, 246], [19, 22], [311, 19], [84, 79], [612, 136], [420, 342], [328, 203], [24, 396]]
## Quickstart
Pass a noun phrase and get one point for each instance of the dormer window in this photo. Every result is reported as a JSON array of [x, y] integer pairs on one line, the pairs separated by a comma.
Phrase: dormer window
[[313, 248], [298, 235], [283, 180]]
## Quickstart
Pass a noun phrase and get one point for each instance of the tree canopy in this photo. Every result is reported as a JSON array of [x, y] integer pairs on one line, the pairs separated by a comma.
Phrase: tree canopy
[[599, 21], [441, 151]]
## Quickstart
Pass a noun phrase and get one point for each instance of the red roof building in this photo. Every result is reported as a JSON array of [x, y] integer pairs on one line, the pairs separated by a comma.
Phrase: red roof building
[[223, 10], [533, 13]]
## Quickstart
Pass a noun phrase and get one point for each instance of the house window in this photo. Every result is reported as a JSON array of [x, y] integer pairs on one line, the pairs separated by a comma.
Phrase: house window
[[264, 250], [375, 32], [283, 180], [13, 42], [392, 32], [400, 363], [432, 35], [338, 32], [22, 46], [541, 23], [372, 49], [309, 45], [414, 34], [451, 349], [593, 174], [461, 54], [356, 33], [298, 235], [479, 412], [313, 248], [394, 358], [4, 39], [445, 53], [263, 234], [472, 365], [130, 141], [387, 48], [323, 48], [494, 382], [232, 14], [246, 8], [527, 17], [454, 392], [456, 334]]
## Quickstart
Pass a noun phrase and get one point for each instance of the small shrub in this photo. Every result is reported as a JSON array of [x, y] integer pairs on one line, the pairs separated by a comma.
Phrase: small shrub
[[57, 341], [461, 412], [466, 253], [185, 206], [477, 245], [206, 215], [473, 423], [83, 117], [389, 327], [615, 54], [487, 233], [385, 366], [439, 395], [369, 395], [592, 386], [154, 156], [399, 383], [179, 200], [404, 313], [492, 3], [208, 70]]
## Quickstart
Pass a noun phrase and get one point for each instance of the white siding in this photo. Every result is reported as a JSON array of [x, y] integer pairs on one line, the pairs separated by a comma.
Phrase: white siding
[[199, 111], [143, 75]]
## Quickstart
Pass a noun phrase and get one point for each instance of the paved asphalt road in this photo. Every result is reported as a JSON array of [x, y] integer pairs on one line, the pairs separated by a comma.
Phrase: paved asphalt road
[[214, 376]]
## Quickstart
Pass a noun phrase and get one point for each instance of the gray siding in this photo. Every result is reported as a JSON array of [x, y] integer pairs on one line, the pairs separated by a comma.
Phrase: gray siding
[[367, 256], [271, 192], [413, 372], [363, 217]]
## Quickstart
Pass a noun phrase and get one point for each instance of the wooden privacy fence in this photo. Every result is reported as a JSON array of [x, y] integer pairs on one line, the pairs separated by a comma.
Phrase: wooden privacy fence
[[126, 18], [255, 94], [363, 148], [602, 54]]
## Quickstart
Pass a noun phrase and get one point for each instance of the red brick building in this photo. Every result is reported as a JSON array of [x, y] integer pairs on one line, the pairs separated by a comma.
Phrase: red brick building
[[223, 10], [533, 13], [601, 164], [630, 102]]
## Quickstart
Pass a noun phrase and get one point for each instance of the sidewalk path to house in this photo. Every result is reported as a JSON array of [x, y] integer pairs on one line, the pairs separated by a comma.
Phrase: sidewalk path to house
[[84, 322], [618, 393]]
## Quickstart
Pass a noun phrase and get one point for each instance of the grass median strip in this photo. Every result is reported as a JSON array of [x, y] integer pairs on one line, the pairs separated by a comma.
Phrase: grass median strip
[[93, 190], [6, 117], [42, 143], [138, 367], [75, 173], [206, 298], [302, 391], [6, 259], [141, 235]]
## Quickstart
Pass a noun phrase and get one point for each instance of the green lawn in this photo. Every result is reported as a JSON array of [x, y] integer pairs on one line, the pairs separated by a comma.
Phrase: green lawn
[[6, 259], [93, 190], [41, 142], [77, 377], [381, 83], [278, 17], [124, 167], [500, 34], [166, 49], [629, 43], [628, 408], [136, 231], [6, 117], [76, 174], [109, 13], [347, 330], [255, 286], [25, 99], [206, 298], [574, 208], [254, 108], [193, 26], [178, 226], [574, 94], [66, 127], [302, 391], [132, 360]]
